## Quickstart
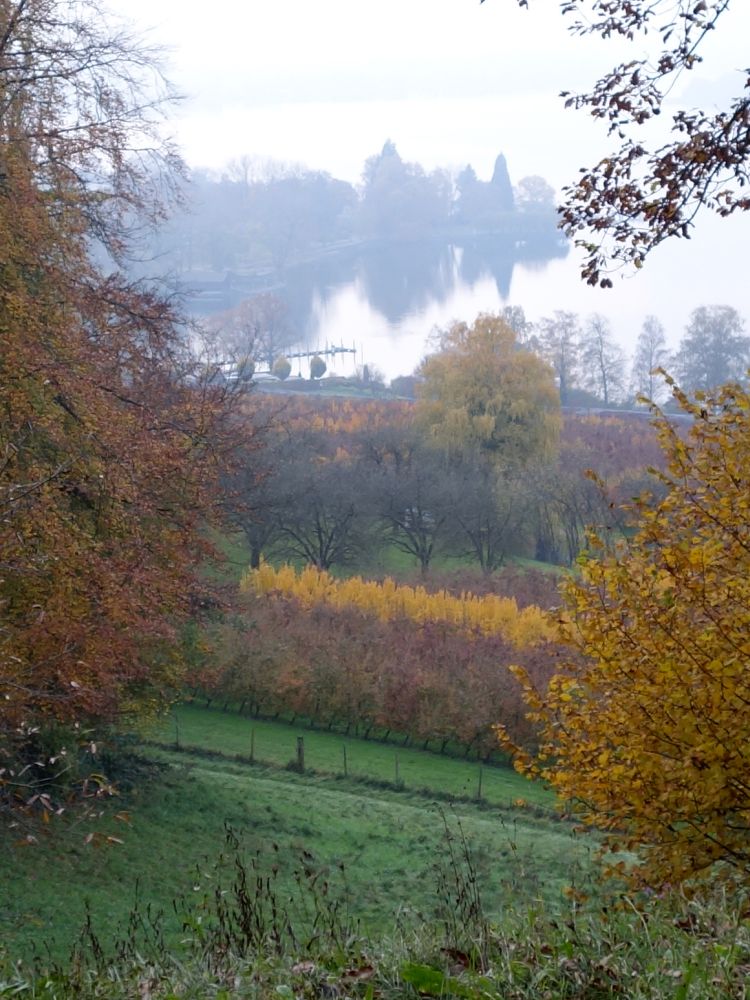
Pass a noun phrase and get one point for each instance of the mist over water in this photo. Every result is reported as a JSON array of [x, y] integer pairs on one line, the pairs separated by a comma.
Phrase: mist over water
[[386, 301], [390, 316], [450, 83]]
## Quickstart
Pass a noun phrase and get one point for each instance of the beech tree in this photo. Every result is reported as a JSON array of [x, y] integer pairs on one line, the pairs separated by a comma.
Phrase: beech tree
[[110, 440], [640, 194], [647, 732]]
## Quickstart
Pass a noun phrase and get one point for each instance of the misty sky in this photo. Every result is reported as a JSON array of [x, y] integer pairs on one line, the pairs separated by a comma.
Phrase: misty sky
[[450, 82]]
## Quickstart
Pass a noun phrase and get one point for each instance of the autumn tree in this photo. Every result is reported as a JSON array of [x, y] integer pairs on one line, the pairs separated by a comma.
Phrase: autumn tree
[[110, 439], [647, 734], [650, 186], [482, 391]]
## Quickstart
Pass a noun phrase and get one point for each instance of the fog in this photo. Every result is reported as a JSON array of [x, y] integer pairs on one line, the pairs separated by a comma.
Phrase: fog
[[450, 82]]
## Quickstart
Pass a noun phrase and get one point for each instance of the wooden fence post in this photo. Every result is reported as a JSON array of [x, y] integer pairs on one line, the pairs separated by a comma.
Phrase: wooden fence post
[[300, 753]]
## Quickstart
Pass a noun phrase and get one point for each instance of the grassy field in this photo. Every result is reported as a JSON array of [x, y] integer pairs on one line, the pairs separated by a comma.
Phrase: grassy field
[[275, 743], [369, 853], [388, 841]]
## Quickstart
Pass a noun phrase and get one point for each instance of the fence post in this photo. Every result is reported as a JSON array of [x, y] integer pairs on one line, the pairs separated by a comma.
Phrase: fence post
[[252, 745], [300, 753], [343, 747], [396, 763], [479, 786]]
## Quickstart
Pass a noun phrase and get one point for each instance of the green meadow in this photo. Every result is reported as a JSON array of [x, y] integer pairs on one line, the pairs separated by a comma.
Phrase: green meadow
[[275, 743], [380, 842]]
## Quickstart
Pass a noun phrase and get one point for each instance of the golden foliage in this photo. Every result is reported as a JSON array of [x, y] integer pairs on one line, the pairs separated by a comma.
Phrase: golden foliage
[[482, 389], [651, 734], [487, 615]]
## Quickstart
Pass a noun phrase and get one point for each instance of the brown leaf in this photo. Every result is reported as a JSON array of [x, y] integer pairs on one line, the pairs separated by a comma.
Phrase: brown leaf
[[359, 974]]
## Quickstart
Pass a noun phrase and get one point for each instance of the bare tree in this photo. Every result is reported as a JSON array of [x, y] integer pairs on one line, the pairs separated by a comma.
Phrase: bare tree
[[489, 511], [412, 503], [318, 519], [602, 360], [650, 353], [84, 101], [558, 343], [713, 350], [257, 329]]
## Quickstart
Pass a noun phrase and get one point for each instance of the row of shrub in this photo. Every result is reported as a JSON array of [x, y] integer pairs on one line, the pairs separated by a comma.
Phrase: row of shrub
[[344, 669]]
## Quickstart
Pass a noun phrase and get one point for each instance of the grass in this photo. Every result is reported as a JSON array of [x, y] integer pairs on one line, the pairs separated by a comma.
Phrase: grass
[[388, 559], [477, 916], [235, 553], [387, 841], [338, 887], [275, 743]]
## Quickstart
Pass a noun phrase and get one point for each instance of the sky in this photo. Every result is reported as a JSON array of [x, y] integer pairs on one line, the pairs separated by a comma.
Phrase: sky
[[451, 82]]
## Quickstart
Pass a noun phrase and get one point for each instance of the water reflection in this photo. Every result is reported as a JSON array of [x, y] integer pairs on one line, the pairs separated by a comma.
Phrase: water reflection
[[404, 280], [388, 292]]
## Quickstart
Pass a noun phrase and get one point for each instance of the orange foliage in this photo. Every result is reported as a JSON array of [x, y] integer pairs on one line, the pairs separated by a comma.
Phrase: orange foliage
[[108, 457], [337, 668]]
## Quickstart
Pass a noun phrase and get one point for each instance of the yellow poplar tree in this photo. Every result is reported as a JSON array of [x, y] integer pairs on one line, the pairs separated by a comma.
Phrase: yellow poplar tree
[[650, 737]]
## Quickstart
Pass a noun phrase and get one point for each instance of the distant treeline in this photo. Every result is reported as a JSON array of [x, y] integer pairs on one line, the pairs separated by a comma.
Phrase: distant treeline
[[256, 214]]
